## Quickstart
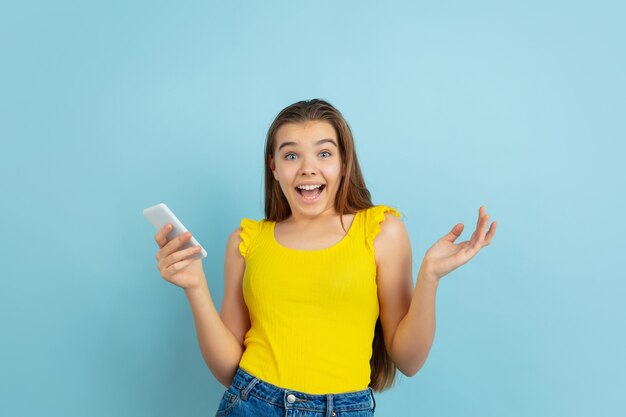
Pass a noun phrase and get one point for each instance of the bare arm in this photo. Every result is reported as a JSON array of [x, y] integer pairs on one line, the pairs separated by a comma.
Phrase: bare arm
[[408, 319], [221, 337], [407, 314], [416, 331]]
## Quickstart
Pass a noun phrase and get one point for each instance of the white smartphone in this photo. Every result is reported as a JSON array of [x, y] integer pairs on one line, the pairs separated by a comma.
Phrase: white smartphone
[[160, 215]]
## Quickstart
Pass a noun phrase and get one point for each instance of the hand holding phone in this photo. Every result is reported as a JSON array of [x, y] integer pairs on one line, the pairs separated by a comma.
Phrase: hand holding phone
[[177, 251], [161, 215]]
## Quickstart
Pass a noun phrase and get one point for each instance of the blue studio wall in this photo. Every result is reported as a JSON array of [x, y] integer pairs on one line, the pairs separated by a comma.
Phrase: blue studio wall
[[109, 107]]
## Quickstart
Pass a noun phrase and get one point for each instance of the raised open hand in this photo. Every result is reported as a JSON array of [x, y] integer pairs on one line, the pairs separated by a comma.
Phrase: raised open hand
[[445, 256]]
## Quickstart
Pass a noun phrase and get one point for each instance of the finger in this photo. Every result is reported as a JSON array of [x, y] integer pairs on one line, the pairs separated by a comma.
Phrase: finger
[[478, 237], [490, 234], [173, 269], [182, 254], [455, 232], [172, 258], [483, 219], [161, 236], [481, 213], [483, 228], [169, 264], [176, 243]]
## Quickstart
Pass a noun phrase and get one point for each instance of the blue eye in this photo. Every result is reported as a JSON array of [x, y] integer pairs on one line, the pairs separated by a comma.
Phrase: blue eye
[[288, 157]]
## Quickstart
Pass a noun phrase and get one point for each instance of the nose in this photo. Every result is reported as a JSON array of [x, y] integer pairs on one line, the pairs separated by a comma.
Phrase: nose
[[308, 167]]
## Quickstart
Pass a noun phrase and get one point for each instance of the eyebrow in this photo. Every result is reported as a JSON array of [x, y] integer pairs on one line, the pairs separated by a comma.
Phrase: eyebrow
[[319, 142]]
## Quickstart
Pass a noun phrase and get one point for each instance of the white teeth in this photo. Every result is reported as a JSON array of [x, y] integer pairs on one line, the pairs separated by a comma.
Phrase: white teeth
[[309, 187]]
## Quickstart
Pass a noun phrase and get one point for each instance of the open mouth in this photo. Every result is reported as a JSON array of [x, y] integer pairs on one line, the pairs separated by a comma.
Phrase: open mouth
[[311, 194]]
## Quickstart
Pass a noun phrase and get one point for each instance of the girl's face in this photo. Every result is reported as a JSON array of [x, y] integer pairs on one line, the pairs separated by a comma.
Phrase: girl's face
[[307, 156]]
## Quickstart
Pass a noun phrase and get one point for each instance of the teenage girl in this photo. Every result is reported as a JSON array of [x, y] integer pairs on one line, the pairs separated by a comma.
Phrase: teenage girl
[[319, 308]]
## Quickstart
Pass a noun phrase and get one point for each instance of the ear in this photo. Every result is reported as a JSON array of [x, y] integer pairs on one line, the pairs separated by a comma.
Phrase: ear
[[273, 168]]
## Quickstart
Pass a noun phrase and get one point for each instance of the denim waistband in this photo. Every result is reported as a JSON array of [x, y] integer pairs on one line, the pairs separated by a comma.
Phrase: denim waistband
[[348, 401]]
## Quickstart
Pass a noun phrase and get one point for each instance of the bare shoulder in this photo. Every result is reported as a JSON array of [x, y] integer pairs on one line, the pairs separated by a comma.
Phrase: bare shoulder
[[393, 276], [234, 312], [391, 226], [234, 262], [392, 237], [233, 258], [234, 239]]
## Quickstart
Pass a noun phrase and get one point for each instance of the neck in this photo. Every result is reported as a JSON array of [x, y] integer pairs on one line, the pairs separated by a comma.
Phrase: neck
[[305, 220]]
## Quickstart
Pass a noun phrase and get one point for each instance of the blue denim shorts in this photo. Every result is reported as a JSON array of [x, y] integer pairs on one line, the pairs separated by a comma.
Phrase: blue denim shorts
[[251, 396]]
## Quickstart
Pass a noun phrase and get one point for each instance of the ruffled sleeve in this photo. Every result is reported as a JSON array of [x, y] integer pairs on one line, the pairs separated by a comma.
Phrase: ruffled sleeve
[[249, 229], [375, 216]]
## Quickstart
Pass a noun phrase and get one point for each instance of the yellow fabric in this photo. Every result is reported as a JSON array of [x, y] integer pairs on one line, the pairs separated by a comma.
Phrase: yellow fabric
[[312, 312]]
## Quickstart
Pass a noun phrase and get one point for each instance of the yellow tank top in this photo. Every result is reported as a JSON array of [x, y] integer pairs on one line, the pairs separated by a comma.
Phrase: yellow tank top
[[312, 312]]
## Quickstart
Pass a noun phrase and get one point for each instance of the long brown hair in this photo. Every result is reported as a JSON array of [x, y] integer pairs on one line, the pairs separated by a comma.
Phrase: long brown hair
[[351, 197]]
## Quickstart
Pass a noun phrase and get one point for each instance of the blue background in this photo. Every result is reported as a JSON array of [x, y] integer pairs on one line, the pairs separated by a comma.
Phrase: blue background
[[110, 107]]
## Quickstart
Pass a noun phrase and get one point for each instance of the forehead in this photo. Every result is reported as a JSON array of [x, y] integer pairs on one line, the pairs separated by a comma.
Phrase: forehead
[[305, 132]]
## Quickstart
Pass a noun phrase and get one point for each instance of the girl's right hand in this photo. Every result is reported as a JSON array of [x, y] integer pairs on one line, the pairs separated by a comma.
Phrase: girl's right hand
[[175, 265]]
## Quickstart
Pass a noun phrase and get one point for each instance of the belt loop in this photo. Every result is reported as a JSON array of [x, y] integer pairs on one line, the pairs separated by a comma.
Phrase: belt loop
[[248, 388], [373, 399], [329, 405]]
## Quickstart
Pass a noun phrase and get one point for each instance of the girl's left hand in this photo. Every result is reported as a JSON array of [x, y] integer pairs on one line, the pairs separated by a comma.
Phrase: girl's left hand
[[445, 256]]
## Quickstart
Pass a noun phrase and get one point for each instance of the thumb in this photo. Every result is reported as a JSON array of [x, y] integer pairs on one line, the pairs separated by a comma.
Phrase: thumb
[[455, 232]]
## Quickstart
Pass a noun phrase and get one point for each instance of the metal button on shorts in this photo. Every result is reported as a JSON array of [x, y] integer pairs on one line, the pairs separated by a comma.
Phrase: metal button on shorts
[[248, 395]]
